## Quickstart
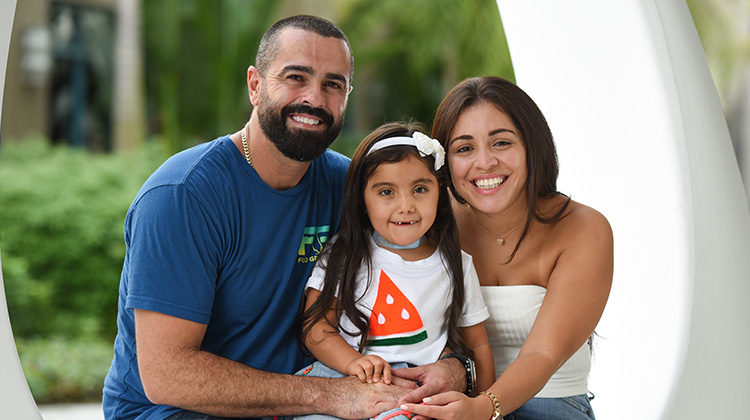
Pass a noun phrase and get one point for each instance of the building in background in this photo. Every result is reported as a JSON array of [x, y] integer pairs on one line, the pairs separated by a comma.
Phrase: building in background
[[74, 74]]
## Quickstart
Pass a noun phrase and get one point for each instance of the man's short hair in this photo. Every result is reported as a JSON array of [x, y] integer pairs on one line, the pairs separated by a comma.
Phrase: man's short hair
[[269, 47]]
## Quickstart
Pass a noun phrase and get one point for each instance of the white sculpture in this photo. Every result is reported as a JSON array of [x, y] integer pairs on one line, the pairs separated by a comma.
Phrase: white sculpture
[[641, 137]]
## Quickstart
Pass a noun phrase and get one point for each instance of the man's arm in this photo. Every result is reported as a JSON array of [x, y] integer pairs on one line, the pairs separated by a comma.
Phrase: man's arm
[[175, 372]]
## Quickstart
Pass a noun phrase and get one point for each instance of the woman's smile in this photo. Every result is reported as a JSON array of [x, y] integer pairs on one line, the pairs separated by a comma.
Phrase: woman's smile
[[487, 159], [490, 183]]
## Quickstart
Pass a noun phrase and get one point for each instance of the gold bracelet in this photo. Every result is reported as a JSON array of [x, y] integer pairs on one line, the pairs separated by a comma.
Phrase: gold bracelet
[[497, 413]]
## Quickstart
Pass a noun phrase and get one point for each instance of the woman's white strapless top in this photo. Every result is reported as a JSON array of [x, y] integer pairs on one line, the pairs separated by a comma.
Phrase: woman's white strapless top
[[513, 310]]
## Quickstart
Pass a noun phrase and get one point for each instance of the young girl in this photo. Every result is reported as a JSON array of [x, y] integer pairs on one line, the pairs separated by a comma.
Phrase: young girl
[[393, 286]]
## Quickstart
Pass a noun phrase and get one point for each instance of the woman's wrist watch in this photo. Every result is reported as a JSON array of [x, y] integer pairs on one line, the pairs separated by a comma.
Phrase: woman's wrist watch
[[471, 373]]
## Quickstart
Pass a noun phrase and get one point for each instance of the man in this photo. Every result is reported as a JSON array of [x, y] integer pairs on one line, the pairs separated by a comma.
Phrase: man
[[220, 241]]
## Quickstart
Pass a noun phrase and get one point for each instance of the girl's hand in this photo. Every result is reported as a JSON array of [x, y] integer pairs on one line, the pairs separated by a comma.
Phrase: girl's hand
[[452, 406], [370, 369]]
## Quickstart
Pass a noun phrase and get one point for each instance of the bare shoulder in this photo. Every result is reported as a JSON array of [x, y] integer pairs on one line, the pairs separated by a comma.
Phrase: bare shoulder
[[583, 215], [580, 222], [584, 242]]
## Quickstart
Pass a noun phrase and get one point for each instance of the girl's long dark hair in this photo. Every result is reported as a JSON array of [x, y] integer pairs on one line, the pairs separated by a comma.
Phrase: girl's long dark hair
[[349, 253]]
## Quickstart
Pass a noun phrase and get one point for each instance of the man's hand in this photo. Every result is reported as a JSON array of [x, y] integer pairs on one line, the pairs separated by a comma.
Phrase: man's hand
[[355, 399], [435, 378]]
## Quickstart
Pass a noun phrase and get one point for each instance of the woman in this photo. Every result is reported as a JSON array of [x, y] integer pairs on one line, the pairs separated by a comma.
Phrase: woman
[[545, 261]]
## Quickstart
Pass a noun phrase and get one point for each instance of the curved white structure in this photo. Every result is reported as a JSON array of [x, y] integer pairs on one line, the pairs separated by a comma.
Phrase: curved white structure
[[641, 136], [15, 398]]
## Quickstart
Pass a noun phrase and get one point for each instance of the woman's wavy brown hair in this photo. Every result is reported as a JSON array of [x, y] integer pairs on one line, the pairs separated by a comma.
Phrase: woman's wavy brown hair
[[541, 156]]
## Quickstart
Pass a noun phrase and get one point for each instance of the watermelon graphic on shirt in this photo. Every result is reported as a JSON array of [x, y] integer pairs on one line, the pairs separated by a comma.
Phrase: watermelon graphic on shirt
[[394, 320]]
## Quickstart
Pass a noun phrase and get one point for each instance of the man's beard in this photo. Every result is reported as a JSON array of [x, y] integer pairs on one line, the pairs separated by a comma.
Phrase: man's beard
[[297, 144]]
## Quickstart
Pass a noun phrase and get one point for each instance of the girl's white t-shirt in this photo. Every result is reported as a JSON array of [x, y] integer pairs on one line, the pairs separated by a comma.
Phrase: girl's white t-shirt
[[407, 303]]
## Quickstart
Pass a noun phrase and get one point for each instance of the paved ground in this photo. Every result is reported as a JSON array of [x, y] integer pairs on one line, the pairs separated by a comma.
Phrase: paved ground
[[92, 411]]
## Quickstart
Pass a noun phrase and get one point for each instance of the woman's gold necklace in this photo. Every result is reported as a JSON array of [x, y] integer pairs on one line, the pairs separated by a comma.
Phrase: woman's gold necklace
[[500, 239], [245, 146]]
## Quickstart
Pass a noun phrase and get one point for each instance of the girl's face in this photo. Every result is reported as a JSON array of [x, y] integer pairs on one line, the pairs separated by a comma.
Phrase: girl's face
[[487, 158], [401, 200]]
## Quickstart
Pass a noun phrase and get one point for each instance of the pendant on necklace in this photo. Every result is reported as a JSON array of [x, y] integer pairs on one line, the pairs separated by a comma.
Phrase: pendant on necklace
[[500, 241]]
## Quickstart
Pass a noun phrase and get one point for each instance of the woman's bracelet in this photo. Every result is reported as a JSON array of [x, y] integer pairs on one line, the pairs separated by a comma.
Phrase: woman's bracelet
[[497, 413]]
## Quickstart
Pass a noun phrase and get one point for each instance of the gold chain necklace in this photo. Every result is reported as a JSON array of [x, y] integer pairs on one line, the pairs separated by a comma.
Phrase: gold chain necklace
[[500, 240], [248, 157]]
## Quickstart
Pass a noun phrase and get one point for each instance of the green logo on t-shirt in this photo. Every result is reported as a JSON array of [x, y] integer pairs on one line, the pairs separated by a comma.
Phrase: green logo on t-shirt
[[313, 239]]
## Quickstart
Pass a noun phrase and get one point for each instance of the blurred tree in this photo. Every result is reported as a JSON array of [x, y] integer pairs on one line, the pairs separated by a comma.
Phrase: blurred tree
[[410, 53], [197, 54], [407, 54]]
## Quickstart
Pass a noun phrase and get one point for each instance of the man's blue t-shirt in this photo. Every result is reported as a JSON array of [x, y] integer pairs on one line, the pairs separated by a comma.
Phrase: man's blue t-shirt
[[208, 241]]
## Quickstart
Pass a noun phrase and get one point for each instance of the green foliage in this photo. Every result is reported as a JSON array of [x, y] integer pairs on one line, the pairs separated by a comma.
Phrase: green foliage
[[197, 53], [409, 54], [347, 142], [62, 370], [61, 234]]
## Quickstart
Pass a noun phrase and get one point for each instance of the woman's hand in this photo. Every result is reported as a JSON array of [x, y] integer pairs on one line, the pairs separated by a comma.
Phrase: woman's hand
[[434, 378], [452, 406], [370, 369]]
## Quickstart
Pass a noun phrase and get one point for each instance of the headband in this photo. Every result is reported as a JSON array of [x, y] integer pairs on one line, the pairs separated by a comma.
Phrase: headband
[[425, 145]]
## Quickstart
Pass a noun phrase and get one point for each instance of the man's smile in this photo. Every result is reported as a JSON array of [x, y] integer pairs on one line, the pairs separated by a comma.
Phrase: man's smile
[[305, 120]]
